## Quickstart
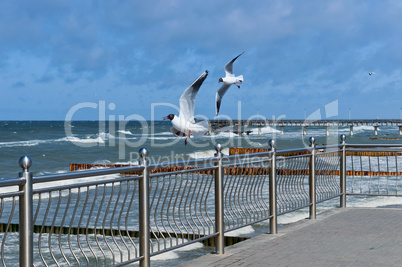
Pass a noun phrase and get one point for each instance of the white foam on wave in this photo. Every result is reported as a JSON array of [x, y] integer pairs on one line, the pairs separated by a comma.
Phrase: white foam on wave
[[225, 134], [125, 132], [241, 231], [362, 128], [373, 202], [207, 153], [23, 143], [173, 254], [265, 130], [87, 140]]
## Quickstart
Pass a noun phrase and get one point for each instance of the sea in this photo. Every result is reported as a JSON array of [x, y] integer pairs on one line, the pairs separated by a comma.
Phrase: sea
[[53, 145]]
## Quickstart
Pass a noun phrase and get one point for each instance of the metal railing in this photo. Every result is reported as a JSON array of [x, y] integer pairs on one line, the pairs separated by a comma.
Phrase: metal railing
[[100, 217]]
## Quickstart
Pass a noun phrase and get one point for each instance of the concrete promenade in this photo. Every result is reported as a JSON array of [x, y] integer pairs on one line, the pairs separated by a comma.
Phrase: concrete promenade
[[339, 237]]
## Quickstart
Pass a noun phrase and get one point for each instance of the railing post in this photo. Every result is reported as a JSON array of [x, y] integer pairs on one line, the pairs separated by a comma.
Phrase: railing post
[[312, 180], [272, 190], [144, 210], [343, 172], [219, 208], [26, 213]]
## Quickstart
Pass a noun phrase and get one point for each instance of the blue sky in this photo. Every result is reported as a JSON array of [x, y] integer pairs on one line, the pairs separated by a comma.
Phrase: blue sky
[[131, 56]]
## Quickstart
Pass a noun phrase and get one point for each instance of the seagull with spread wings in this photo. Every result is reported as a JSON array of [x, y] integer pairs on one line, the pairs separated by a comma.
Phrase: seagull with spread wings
[[228, 80], [184, 124]]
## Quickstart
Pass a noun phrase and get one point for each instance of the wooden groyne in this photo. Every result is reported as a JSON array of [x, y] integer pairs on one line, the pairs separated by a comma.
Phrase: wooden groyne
[[85, 166], [241, 170], [256, 170], [243, 150]]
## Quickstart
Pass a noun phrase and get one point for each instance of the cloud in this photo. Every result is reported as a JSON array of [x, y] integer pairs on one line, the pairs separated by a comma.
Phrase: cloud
[[293, 49]]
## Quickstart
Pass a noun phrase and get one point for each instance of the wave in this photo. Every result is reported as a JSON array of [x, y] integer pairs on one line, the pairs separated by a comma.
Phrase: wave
[[242, 231], [173, 254], [74, 139], [207, 153], [264, 130], [125, 132], [23, 143]]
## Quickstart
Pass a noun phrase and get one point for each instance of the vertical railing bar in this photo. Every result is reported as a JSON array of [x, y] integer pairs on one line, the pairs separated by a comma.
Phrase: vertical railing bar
[[242, 179], [210, 228], [144, 211], [79, 226], [161, 213], [104, 223], [43, 226], [96, 224], [353, 168], [26, 213], [387, 160], [250, 182], [199, 204], [151, 207], [219, 203], [126, 219], [62, 226], [343, 171], [180, 205], [230, 180], [236, 196], [379, 172], [175, 207], [253, 202], [112, 220], [193, 188], [52, 228], [272, 190], [211, 182], [89, 219], [5, 234], [190, 200], [397, 174], [119, 220], [71, 226], [312, 180], [369, 162], [361, 173], [3, 241]]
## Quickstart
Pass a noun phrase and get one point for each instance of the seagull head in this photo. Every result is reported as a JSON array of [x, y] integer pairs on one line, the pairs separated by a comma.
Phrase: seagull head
[[169, 117], [220, 80]]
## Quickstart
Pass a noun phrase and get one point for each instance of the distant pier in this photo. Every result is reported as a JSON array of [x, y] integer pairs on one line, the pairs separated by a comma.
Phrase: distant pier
[[308, 123]]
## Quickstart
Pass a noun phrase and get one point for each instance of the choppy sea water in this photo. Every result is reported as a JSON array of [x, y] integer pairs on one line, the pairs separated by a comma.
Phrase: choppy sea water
[[53, 145]]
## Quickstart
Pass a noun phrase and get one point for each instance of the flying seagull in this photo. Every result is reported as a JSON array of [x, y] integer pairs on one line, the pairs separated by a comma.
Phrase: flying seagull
[[184, 124], [228, 80], [371, 73]]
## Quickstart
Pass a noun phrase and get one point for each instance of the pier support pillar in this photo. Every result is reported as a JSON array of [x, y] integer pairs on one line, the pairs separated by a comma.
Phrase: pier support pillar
[[259, 129], [304, 130], [400, 130], [327, 127], [282, 129], [375, 130], [351, 130]]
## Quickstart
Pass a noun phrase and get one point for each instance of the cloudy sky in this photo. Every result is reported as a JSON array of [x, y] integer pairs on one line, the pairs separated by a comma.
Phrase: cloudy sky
[[88, 59]]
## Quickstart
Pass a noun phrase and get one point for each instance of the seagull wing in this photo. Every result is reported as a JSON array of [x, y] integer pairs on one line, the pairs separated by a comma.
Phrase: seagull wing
[[219, 95], [187, 99], [229, 67]]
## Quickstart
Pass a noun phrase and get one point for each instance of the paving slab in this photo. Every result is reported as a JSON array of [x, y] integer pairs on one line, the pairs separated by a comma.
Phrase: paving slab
[[339, 237]]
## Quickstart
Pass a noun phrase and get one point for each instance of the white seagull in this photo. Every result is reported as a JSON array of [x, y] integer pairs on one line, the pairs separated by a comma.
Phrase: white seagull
[[184, 124], [228, 80]]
